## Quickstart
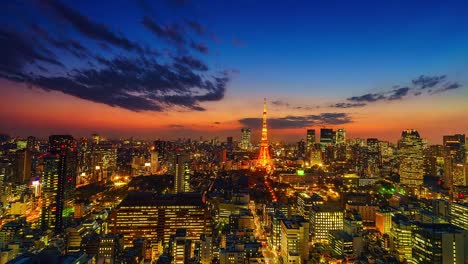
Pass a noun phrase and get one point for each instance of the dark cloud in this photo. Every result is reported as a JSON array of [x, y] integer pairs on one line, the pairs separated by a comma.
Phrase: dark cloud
[[192, 63], [423, 84], [217, 123], [398, 94], [17, 51], [72, 46], [200, 47], [370, 97], [447, 87], [280, 103], [424, 81], [348, 105], [176, 126], [172, 33], [197, 27], [139, 79], [90, 28], [135, 84], [300, 121]]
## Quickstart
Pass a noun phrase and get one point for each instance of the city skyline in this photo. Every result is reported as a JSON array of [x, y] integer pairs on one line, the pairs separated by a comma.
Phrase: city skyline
[[395, 67]]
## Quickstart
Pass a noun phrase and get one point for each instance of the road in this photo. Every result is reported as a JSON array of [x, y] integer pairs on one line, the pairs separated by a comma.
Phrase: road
[[270, 255]]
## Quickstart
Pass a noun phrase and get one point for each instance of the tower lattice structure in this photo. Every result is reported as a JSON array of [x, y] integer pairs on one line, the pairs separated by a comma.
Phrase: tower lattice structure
[[264, 158]]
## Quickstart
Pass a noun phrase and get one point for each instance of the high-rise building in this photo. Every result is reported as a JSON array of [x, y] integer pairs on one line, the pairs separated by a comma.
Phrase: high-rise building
[[459, 215], [58, 183], [340, 136], [383, 221], [315, 153], [301, 149], [294, 240], [327, 137], [411, 158], [246, 139], [182, 173], [206, 248], [455, 146], [439, 243], [154, 162], [373, 157], [104, 157], [400, 235], [180, 247], [323, 219], [157, 217], [23, 165], [310, 140]]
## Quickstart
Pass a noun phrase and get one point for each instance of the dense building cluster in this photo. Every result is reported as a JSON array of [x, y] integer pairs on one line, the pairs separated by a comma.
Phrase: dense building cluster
[[326, 199]]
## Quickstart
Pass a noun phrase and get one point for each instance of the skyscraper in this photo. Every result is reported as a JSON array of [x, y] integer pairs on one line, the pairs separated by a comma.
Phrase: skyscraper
[[310, 140], [58, 182], [182, 173], [411, 158], [455, 146], [245, 140], [327, 136], [340, 136]]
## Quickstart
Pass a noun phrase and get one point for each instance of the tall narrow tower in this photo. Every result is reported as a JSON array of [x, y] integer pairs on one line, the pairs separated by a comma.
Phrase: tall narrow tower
[[264, 158]]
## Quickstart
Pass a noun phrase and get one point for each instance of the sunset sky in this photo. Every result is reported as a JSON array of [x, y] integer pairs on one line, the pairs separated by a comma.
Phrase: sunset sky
[[182, 68]]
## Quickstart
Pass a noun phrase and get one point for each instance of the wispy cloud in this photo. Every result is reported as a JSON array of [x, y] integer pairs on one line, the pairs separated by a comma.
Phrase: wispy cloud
[[300, 121]]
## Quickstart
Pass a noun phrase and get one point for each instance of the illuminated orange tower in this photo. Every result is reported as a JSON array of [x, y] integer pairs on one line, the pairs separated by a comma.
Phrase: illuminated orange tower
[[264, 158]]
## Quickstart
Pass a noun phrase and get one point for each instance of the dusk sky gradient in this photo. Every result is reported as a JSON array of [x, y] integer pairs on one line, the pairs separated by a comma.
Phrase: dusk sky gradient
[[182, 68]]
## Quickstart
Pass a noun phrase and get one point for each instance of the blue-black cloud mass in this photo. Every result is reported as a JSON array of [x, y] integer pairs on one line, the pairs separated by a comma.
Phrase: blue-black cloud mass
[[299, 121], [125, 73], [423, 84]]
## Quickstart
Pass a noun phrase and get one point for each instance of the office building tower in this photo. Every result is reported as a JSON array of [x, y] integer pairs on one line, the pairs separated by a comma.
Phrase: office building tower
[[161, 147], [439, 243], [341, 243], [383, 221], [340, 136], [459, 215], [246, 139], [23, 165], [154, 162], [373, 158], [58, 183], [304, 204], [157, 217], [315, 153], [400, 236], [310, 139], [110, 248], [182, 173], [324, 218], [230, 148], [327, 137], [206, 248], [294, 240], [104, 160], [454, 146], [301, 149], [411, 158], [180, 247]]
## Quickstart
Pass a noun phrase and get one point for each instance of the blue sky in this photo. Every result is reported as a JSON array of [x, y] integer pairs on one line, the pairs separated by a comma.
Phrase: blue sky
[[299, 52]]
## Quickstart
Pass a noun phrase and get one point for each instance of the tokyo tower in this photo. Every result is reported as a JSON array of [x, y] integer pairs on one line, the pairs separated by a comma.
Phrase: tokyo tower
[[264, 158]]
